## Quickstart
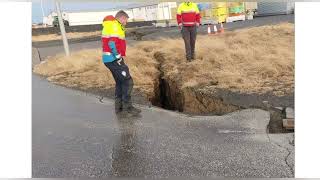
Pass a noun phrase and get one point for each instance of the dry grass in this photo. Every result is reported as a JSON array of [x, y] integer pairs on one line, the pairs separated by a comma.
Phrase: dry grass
[[70, 35], [251, 60], [258, 59], [85, 70]]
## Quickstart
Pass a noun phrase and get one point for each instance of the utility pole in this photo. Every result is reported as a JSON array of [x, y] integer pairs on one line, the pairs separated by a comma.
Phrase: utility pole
[[62, 29], [42, 13], [42, 8]]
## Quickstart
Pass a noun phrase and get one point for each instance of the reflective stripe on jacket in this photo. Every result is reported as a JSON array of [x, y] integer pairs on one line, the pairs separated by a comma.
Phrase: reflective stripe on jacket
[[113, 39], [188, 14]]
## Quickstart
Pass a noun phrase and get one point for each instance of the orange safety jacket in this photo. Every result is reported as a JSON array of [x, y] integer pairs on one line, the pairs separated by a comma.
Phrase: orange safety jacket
[[188, 14]]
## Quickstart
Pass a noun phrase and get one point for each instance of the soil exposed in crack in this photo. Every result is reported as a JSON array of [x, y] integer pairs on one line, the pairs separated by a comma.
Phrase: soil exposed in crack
[[207, 101], [204, 100], [170, 95], [275, 125]]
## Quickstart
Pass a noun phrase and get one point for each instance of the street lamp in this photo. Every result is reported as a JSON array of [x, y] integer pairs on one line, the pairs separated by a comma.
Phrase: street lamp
[[62, 29]]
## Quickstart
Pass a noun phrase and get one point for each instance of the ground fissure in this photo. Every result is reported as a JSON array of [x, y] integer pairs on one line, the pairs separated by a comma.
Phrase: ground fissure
[[230, 72], [169, 94]]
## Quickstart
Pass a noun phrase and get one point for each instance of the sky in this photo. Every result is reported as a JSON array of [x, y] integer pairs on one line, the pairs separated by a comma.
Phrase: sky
[[48, 7]]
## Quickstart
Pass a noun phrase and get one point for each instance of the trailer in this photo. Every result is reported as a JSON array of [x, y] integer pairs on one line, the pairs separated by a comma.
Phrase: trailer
[[153, 11], [76, 18], [164, 11], [86, 18], [140, 12]]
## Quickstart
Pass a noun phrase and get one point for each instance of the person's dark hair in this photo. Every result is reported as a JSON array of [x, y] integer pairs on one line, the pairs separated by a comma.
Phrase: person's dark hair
[[121, 13]]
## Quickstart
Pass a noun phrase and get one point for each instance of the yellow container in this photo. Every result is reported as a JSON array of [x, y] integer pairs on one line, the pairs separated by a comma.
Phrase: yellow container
[[219, 4], [221, 19], [219, 11]]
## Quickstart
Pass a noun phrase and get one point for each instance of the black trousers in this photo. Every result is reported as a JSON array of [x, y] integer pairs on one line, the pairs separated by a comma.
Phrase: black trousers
[[123, 79], [189, 34]]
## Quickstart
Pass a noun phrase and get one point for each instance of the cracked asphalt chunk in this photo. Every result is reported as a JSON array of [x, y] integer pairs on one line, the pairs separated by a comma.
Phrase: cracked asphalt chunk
[[285, 141]]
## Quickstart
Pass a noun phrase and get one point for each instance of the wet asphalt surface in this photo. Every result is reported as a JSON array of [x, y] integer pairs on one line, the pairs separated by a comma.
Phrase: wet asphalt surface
[[78, 135]]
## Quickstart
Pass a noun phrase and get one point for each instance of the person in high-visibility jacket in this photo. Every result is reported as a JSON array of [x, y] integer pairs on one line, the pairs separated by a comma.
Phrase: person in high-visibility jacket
[[188, 18], [114, 49]]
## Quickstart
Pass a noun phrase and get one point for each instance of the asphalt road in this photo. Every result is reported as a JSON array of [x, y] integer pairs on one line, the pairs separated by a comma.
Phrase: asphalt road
[[53, 47], [78, 135]]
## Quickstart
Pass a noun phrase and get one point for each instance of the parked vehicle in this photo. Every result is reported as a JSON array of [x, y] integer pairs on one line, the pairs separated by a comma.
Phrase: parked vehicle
[[55, 22]]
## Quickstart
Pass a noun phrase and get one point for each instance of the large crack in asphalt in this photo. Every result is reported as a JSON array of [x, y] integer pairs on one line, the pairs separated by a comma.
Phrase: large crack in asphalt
[[286, 160], [276, 115], [282, 147]]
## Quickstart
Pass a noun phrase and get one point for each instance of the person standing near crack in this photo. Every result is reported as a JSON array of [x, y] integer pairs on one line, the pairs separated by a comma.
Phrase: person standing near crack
[[114, 49], [188, 18]]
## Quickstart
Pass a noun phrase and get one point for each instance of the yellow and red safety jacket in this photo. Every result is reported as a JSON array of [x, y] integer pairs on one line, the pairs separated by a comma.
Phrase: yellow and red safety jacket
[[113, 39], [188, 14]]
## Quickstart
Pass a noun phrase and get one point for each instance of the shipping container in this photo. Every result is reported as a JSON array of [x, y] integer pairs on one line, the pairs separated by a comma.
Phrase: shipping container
[[220, 11], [221, 19], [236, 8], [76, 18], [274, 8]]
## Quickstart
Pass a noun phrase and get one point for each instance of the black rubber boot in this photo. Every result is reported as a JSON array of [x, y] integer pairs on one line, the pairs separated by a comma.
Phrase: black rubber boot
[[126, 115], [129, 109], [193, 57], [134, 109], [118, 105]]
